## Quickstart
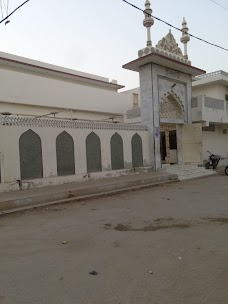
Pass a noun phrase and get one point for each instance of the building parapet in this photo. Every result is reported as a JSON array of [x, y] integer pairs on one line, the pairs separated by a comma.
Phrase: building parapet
[[212, 74], [72, 124]]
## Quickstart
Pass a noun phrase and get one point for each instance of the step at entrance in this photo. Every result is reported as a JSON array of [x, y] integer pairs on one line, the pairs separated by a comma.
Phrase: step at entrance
[[186, 172]]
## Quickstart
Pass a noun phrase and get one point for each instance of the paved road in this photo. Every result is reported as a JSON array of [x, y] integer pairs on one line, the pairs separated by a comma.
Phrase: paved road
[[178, 231]]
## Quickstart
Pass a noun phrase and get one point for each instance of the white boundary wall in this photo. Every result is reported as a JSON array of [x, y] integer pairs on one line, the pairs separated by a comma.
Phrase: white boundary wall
[[11, 128]]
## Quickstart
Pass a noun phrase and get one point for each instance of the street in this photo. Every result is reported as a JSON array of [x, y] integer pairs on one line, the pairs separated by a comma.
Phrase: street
[[163, 245]]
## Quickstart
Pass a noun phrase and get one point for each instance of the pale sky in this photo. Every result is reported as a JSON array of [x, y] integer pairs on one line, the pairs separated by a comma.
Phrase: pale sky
[[100, 36]]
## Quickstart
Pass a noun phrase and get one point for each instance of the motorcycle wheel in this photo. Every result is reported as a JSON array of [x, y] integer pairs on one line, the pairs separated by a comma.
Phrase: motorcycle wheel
[[207, 165], [226, 170]]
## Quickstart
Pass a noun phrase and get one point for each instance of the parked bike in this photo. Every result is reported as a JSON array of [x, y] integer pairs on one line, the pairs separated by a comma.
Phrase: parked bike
[[213, 161], [226, 170]]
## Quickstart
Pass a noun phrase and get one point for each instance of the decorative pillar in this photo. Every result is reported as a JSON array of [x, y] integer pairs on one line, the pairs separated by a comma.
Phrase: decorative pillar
[[148, 21], [185, 37]]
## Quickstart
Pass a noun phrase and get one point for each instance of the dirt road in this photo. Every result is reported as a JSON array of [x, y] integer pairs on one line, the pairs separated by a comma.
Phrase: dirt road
[[178, 232]]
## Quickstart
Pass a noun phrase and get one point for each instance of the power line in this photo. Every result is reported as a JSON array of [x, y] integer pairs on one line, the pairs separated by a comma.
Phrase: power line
[[176, 28], [7, 17], [219, 5]]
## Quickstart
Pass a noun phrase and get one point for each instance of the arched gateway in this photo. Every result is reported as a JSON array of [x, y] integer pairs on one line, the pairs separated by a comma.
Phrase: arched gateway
[[165, 93]]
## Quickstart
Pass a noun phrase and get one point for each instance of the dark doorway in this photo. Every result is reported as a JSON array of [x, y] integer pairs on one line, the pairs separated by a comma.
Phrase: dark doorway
[[173, 140], [163, 147]]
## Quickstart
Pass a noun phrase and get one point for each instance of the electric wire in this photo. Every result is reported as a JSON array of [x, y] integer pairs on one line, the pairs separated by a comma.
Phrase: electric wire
[[7, 17], [176, 28]]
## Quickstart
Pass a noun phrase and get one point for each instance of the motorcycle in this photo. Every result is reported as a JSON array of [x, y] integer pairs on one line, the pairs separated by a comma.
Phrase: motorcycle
[[226, 170], [213, 161]]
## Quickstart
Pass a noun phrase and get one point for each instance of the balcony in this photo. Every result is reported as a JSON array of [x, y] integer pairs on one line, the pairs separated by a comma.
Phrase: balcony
[[209, 110]]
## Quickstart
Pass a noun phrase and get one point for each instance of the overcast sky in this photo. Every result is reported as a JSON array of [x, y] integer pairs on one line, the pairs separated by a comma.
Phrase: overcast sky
[[99, 36]]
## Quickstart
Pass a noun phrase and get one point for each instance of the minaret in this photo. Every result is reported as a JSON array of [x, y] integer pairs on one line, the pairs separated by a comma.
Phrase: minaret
[[148, 21], [185, 37]]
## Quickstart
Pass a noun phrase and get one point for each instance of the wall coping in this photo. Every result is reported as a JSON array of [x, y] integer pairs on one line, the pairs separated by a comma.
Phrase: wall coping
[[71, 124]]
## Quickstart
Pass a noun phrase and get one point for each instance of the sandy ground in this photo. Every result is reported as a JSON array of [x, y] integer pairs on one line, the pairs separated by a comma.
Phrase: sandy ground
[[179, 232]]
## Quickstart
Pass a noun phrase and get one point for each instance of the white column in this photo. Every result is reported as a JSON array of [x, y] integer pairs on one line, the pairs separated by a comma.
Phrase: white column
[[149, 41], [150, 112], [185, 50]]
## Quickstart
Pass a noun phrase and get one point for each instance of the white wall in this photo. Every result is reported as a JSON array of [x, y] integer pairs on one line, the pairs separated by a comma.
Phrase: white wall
[[12, 59], [27, 110], [216, 114], [10, 159], [216, 142], [213, 90], [130, 93], [24, 87]]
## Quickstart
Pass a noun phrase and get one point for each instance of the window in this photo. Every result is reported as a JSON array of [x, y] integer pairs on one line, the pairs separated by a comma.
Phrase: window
[[135, 100]]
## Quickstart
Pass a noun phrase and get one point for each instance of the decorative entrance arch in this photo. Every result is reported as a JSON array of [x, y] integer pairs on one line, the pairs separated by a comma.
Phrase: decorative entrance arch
[[171, 109], [171, 114]]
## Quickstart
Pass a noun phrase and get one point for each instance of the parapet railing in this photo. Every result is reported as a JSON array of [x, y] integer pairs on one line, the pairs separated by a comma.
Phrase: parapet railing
[[212, 74], [72, 124]]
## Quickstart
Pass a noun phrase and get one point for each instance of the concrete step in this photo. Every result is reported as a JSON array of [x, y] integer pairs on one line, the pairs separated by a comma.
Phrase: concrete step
[[192, 172], [185, 172], [78, 191]]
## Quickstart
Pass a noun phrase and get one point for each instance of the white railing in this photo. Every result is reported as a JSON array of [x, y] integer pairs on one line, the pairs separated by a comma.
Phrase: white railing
[[72, 124], [212, 74]]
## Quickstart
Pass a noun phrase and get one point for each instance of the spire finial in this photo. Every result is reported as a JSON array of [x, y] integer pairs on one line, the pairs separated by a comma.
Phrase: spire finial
[[148, 21], [185, 37]]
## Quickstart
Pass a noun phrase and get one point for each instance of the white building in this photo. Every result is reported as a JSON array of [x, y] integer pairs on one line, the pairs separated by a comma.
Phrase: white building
[[210, 107], [30, 87]]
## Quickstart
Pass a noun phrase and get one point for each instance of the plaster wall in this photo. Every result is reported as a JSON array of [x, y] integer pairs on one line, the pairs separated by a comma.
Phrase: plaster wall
[[209, 110], [27, 110], [27, 88], [10, 157], [217, 143], [192, 146], [214, 90]]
